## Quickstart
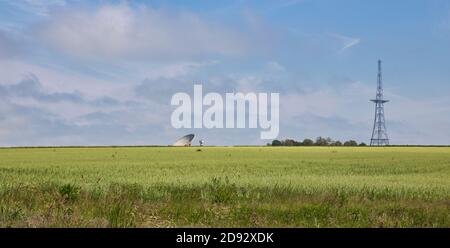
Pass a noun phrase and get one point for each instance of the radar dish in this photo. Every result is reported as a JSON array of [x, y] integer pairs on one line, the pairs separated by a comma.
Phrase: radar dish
[[185, 140]]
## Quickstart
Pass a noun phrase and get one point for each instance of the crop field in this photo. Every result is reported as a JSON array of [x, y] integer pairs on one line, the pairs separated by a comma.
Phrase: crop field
[[225, 187]]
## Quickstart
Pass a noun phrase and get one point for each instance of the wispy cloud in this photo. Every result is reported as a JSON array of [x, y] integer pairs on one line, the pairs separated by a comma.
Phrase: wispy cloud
[[346, 41], [350, 43]]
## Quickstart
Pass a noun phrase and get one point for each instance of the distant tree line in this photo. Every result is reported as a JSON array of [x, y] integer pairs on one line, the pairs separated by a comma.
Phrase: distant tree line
[[320, 141]]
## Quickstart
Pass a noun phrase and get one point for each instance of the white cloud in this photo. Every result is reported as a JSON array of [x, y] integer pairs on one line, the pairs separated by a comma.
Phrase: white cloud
[[341, 112], [348, 102], [119, 31], [172, 70], [57, 79], [346, 41], [274, 66], [350, 43]]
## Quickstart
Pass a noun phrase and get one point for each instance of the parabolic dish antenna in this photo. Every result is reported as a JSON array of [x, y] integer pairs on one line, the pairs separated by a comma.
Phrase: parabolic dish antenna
[[185, 140]]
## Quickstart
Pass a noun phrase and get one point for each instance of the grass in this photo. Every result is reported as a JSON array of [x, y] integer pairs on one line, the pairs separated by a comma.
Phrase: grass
[[225, 187]]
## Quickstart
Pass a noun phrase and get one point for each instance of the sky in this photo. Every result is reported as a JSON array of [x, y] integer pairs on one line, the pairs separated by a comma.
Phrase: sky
[[103, 72]]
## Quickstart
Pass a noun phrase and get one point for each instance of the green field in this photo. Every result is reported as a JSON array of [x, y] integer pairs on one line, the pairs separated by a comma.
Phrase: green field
[[225, 187]]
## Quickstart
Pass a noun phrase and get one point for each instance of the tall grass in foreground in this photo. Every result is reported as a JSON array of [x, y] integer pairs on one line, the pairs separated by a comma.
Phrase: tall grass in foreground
[[218, 203], [225, 187]]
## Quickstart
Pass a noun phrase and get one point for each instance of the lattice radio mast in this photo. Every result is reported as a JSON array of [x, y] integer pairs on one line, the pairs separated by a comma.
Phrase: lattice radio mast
[[379, 132]]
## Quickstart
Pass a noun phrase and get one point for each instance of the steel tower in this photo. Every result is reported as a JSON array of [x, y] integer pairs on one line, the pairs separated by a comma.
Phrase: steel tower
[[379, 133]]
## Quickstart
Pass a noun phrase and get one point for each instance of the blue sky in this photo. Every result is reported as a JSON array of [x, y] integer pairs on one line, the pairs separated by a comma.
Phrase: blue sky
[[103, 72]]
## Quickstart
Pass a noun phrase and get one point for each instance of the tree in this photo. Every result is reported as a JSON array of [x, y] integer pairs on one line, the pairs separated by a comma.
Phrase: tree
[[276, 143], [308, 142], [289, 142], [350, 143], [337, 143], [321, 141]]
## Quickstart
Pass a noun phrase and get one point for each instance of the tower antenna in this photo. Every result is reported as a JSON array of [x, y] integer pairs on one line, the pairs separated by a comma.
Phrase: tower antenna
[[379, 132]]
